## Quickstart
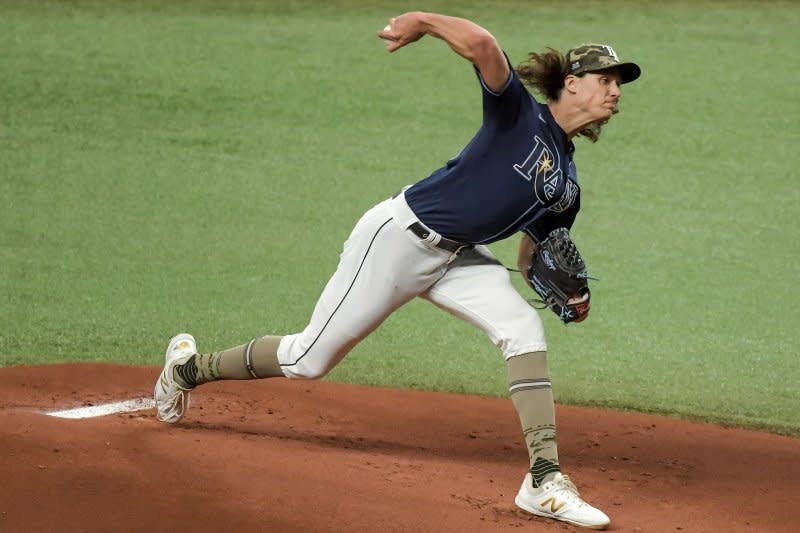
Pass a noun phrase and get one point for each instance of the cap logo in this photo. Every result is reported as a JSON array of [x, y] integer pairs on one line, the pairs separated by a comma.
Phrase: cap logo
[[611, 52], [593, 57]]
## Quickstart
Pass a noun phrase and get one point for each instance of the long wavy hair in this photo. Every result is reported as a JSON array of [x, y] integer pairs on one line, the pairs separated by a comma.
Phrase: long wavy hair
[[545, 74]]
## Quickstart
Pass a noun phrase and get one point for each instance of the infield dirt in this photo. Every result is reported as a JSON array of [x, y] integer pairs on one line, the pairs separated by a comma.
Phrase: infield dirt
[[279, 455]]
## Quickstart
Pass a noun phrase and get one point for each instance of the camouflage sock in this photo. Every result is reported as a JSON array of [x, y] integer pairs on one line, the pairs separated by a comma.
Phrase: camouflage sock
[[186, 374], [256, 359], [532, 395]]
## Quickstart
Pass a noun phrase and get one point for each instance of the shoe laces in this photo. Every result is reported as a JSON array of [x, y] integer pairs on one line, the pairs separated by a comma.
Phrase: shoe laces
[[565, 484]]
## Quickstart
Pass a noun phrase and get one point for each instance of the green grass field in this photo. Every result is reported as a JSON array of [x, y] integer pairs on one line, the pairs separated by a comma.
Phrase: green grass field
[[195, 165]]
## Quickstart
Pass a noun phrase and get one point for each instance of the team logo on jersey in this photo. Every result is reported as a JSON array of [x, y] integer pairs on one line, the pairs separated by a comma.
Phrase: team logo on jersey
[[567, 198], [549, 183]]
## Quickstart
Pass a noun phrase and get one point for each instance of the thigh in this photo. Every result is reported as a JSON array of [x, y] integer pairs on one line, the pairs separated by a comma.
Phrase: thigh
[[381, 267], [478, 289]]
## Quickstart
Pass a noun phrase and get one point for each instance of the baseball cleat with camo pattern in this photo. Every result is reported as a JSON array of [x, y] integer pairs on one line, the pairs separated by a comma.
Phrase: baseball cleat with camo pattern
[[172, 399], [559, 499]]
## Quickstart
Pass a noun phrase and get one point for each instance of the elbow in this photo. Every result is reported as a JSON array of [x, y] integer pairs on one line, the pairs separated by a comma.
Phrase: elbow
[[480, 44]]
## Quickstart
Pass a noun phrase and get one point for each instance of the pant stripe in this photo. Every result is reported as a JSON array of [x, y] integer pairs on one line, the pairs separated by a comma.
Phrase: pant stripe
[[352, 283]]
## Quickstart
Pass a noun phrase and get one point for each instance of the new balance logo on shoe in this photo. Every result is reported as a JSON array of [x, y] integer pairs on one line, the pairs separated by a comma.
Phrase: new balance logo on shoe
[[555, 505]]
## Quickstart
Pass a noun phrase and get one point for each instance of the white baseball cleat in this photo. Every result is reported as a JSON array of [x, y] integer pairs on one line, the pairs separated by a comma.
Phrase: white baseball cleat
[[559, 499], [172, 399]]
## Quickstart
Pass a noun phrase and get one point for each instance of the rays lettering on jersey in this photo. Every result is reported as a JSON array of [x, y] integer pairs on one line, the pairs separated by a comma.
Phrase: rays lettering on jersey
[[541, 168], [571, 190], [567, 198]]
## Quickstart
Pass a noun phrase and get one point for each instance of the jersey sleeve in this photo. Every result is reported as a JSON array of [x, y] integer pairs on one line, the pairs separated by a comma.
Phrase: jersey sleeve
[[502, 108]]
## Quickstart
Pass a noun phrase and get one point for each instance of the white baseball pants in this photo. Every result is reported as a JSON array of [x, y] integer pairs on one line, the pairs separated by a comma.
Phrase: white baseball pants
[[383, 265]]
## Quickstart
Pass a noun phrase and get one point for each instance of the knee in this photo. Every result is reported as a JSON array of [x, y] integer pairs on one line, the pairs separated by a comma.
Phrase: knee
[[301, 358], [303, 370], [522, 334]]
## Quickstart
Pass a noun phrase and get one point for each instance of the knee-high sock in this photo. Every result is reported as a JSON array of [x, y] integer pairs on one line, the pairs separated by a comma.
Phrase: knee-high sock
[[532, 395], [254, 360]]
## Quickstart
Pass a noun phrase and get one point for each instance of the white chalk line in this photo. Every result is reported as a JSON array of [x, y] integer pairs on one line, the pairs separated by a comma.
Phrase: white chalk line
[[104, 409]]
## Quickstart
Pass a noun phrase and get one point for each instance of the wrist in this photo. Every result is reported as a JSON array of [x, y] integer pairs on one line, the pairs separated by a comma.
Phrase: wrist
[[423, 21]]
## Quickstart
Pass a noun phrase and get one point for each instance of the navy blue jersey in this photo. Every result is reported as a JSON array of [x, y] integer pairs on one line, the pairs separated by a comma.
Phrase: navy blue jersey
[[516, 174]]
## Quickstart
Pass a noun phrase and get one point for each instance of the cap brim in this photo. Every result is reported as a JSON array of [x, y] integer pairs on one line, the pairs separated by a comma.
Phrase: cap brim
[[629, 72]]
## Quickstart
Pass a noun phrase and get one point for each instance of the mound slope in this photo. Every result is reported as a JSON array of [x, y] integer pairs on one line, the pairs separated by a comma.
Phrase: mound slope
[[318, 456]]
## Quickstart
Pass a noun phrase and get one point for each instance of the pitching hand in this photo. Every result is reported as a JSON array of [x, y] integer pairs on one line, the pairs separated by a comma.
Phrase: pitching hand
[[402, 30]]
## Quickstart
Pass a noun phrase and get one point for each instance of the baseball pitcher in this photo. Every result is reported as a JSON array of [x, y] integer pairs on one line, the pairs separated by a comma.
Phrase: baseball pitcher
[[516, 176]]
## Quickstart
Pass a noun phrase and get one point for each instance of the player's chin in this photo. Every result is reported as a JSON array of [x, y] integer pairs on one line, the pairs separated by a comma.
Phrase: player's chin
[[601, 119], [608, 112]]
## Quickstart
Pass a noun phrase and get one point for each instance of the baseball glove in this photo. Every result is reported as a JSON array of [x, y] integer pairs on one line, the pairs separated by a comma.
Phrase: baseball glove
[[558, 275]]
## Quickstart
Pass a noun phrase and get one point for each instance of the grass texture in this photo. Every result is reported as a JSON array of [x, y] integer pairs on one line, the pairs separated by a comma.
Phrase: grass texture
[[195, 165]]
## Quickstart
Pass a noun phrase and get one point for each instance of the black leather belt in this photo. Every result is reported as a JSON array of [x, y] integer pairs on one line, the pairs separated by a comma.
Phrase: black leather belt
[[422, 232], [445, 244]]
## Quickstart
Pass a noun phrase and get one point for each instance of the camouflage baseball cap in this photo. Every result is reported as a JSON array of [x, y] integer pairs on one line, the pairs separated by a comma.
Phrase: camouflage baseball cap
[[593, 57]]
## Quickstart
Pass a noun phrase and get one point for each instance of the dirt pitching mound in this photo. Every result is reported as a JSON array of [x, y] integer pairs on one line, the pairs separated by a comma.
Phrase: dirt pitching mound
[[279, 455]]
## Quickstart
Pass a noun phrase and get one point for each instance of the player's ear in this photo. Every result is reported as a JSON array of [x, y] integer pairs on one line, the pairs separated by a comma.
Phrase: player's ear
[[570, 83]]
